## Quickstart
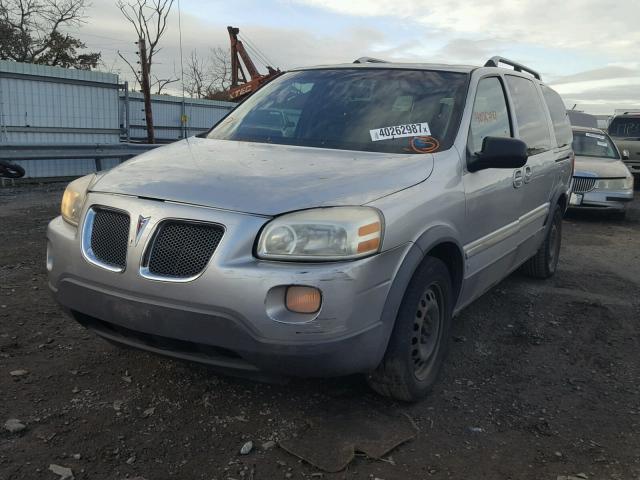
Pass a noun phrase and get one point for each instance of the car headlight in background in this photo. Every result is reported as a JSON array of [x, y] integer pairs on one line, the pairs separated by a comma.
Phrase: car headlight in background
[[615, 183], [322, 234], [73, 198]]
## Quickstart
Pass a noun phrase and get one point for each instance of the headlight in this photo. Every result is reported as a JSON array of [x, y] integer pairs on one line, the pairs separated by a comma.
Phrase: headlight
[[73, 198], [615, 183], [321, 234]]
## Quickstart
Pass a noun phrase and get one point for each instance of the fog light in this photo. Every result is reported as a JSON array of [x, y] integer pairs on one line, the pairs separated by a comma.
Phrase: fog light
[[303, 299]]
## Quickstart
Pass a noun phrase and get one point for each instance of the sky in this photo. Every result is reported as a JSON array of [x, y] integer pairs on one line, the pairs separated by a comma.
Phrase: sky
[[587, 50]]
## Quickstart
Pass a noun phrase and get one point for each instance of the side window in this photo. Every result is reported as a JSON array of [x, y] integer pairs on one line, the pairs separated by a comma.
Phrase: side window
[[559, 116], [532, 119], [490, 117]]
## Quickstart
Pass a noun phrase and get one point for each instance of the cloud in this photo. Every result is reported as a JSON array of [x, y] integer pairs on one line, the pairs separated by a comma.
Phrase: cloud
[[601, 25], [587, 49]]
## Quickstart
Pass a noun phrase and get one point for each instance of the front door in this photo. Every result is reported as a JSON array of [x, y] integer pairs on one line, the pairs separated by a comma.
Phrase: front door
[[493, 197]]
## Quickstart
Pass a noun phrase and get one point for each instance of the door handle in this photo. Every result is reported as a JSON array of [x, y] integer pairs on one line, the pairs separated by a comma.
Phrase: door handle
[[528, 174], [517, 178]]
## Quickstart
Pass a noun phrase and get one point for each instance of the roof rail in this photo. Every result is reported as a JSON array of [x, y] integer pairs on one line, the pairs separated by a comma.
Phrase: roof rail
[[518, 67], [369, 60]]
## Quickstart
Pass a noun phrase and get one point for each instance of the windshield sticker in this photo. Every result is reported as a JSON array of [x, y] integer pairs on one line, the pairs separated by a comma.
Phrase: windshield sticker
[[424, 144], [595, 135], [603, 144], [399, 131]]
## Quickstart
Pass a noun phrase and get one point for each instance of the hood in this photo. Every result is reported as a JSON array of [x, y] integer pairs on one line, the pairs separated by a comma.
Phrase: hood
[[600, 167], [263, 179], [631, 144]]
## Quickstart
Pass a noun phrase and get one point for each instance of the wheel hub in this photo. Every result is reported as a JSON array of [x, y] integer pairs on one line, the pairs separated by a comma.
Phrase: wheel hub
[[426, 330]]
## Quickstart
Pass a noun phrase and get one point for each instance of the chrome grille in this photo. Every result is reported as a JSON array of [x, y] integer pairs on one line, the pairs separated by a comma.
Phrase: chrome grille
[[180, 250], [583, 184], [108, 236]]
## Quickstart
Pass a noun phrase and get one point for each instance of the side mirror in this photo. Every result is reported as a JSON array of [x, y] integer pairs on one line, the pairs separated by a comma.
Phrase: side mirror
[[625, 154], [499, 152]]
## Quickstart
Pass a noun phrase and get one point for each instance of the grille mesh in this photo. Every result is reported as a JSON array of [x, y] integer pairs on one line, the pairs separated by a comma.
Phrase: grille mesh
[[109, 237], [583, 184], [182, 249]]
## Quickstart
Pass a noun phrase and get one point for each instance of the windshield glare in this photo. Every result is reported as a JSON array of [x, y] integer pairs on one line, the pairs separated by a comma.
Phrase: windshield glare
[[377, 110], [592, 144], [625, 127]]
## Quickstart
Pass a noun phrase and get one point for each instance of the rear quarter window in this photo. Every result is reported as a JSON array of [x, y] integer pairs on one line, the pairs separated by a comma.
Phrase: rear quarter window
[[559, 116], [530, 114]]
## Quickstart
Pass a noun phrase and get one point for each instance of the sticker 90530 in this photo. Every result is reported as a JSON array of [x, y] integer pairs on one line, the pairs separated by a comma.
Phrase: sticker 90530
[[399, 131], [595, 135]]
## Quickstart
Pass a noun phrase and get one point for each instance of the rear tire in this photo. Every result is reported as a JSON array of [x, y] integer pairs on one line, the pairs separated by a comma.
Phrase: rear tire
[[420, 336], [544, 263]]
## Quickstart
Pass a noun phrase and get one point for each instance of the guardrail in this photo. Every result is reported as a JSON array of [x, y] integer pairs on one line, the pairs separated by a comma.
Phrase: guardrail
[[98, 152]]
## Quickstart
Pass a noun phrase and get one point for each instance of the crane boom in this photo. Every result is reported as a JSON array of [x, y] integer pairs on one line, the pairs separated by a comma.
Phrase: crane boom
[[240, 85]]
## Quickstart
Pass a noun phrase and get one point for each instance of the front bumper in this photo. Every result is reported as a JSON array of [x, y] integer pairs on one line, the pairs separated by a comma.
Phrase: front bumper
[[633, 166], [225, 317], [614, 200]]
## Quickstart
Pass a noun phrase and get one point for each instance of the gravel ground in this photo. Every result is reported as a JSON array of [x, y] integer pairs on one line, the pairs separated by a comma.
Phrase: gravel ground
[[542, 381]]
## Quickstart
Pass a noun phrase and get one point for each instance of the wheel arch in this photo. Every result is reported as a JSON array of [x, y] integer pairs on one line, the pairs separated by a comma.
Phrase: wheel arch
[[439, 242]]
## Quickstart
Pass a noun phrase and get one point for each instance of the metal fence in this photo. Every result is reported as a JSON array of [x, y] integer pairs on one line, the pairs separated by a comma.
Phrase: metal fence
[[168, 113], [50, 107]]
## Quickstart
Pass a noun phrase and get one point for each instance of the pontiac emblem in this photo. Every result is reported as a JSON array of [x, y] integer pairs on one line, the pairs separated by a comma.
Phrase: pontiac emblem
[[142, 223]]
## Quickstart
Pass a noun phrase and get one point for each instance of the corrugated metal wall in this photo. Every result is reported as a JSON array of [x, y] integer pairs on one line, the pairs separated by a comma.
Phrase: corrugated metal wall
[[167, 112], [52, 105], [47, 105]]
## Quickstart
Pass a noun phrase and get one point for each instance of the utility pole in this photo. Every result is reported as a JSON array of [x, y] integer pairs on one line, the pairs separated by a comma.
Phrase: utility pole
[[146, 89]]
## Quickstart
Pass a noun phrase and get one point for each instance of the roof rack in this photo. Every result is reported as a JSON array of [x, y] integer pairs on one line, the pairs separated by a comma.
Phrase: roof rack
[[518, 67], [369, 60]]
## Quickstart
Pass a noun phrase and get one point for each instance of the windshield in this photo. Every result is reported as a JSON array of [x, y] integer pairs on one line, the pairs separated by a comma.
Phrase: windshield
[[625, 127], [592, 144], [377, 110]]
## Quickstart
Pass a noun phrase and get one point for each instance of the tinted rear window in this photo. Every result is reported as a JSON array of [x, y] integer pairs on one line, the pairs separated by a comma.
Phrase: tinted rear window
[[531, 117], [625, 127], [378, 110], [559, 116]]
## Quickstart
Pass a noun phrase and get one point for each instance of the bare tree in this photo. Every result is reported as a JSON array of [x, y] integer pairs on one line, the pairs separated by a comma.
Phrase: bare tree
[[30, 32], [210, 76], [149, 19], [160, 83]]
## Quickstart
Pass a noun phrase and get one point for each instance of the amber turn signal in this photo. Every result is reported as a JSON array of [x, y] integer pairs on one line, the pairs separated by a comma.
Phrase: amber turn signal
[[303, 299]]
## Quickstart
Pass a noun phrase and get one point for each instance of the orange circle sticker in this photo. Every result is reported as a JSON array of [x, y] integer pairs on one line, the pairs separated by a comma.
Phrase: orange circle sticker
[[424, 144]]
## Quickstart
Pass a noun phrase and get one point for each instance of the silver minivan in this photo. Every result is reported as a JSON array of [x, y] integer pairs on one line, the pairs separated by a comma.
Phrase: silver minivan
[[333, 223]]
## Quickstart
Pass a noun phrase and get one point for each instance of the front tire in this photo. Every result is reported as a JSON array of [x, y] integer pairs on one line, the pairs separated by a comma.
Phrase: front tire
[[420, 336], [545, 262]]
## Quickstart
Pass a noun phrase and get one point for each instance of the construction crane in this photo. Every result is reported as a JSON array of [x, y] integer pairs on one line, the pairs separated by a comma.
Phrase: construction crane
[[240, 86]]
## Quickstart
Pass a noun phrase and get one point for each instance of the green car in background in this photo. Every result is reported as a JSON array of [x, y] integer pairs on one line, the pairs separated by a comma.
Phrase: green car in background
[[625, 132]]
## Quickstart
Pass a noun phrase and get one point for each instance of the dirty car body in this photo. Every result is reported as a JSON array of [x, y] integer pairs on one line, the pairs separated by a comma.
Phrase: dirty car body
[[601, 181], [194, 249], [625, 131]]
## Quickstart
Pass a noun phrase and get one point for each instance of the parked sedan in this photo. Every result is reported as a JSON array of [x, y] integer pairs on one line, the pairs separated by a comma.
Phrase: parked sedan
[[601, 181]]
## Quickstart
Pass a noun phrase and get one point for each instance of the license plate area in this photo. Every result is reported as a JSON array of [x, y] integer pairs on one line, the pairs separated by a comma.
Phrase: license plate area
[[575, 199]]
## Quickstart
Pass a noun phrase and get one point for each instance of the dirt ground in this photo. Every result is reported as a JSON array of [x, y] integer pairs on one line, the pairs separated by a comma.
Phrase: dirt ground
[[542, 380]]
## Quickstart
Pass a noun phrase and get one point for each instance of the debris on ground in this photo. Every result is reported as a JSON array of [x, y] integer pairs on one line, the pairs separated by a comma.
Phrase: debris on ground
[[63, 472], [246, 448], [148, 412], [331, 444], [19, 373], [14, 425], [268, 444]]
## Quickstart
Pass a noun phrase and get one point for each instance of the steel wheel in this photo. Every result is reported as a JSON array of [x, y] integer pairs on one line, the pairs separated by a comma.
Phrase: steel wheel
[[554, 245], [426, 330], [419, 340]]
